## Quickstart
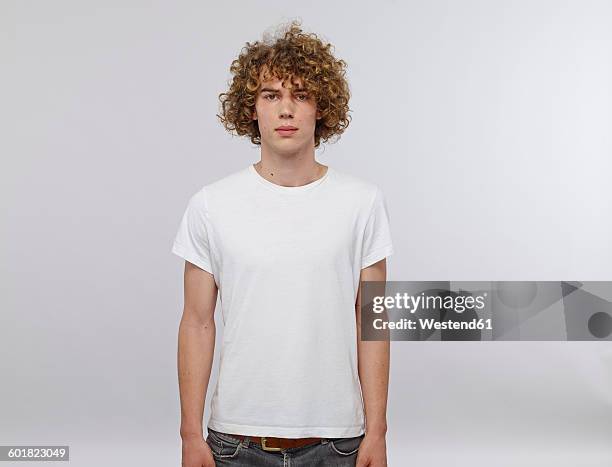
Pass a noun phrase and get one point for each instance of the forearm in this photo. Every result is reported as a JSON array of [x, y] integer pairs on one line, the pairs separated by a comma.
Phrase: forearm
[[196, 344], [373, 358], [374, 377]]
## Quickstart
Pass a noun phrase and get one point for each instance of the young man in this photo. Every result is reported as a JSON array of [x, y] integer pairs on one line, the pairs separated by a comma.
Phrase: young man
[[285, 243]]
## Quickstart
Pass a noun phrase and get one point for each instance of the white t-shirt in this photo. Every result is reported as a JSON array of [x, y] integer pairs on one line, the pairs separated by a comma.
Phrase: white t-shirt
[[287, 262]]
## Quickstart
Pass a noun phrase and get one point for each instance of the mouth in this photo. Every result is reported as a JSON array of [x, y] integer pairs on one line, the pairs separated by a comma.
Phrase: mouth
[[286, 130]]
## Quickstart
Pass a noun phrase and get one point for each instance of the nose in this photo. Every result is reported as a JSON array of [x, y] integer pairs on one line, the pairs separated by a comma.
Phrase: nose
[[286, 114], [286, 108]]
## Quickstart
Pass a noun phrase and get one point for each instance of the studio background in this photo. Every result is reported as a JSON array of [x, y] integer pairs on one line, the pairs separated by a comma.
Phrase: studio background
[[486, 123]]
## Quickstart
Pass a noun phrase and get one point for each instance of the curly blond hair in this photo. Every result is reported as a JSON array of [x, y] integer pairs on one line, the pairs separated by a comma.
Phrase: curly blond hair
[[293, 55]]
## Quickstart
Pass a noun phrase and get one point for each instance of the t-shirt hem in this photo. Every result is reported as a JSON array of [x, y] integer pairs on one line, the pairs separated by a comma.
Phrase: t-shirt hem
[[287, 432], [377, 255]]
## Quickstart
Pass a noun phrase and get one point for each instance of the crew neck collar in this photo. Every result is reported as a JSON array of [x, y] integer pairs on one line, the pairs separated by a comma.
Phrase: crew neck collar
[[294, 190]]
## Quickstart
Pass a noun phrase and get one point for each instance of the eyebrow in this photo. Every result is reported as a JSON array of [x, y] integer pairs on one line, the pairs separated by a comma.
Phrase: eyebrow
[[276, 90]]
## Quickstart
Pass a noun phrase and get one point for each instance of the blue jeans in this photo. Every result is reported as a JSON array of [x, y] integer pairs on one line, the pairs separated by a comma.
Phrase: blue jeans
[[230, 451]]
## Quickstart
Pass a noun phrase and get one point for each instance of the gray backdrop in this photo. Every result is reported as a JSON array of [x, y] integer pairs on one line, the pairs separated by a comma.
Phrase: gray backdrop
[[486, 123]]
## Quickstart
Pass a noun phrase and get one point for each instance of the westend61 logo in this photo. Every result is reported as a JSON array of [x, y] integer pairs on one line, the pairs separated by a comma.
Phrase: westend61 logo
[[405, 301], [484, 311]]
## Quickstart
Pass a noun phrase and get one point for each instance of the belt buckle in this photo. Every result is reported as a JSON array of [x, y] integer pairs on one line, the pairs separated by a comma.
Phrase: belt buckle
[[267, 448]]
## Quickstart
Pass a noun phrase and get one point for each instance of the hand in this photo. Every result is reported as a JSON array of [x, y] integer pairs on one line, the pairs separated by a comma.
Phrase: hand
[[197, 453], [372, 451]]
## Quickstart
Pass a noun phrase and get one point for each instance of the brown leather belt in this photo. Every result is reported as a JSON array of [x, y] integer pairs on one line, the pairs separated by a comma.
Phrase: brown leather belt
[[269, 443]]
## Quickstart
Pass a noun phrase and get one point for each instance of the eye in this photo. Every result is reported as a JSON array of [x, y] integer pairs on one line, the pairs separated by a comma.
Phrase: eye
[[267, 96], [302, 97]]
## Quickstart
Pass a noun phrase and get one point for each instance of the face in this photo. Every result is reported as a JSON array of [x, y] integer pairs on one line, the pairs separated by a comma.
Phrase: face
[[286, 115]]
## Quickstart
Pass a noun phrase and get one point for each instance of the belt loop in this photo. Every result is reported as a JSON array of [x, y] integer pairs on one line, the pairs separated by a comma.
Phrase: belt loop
[[245, 441]]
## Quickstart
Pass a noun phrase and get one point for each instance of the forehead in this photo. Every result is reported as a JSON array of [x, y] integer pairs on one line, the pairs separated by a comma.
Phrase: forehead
[[273, 82]]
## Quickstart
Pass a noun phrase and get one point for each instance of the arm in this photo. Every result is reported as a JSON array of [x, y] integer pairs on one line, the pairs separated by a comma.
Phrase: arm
[[196, 346], [373, 364]]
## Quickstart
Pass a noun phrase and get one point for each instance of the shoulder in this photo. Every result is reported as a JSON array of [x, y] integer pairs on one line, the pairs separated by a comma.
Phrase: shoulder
[[222, 188], [229, 183], [362, 190]]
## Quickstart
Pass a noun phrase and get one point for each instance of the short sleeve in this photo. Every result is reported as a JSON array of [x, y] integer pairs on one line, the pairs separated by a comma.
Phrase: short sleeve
[[192, 241], [377, 243]]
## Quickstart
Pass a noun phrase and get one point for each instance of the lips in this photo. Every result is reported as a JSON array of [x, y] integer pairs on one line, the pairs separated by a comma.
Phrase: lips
[[286, 130]]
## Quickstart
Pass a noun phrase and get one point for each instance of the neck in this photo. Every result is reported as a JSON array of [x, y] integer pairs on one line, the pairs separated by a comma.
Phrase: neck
[[289, 169]]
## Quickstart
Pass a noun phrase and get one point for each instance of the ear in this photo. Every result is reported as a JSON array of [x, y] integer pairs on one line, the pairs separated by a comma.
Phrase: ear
[[254, 115], [319, 115]]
